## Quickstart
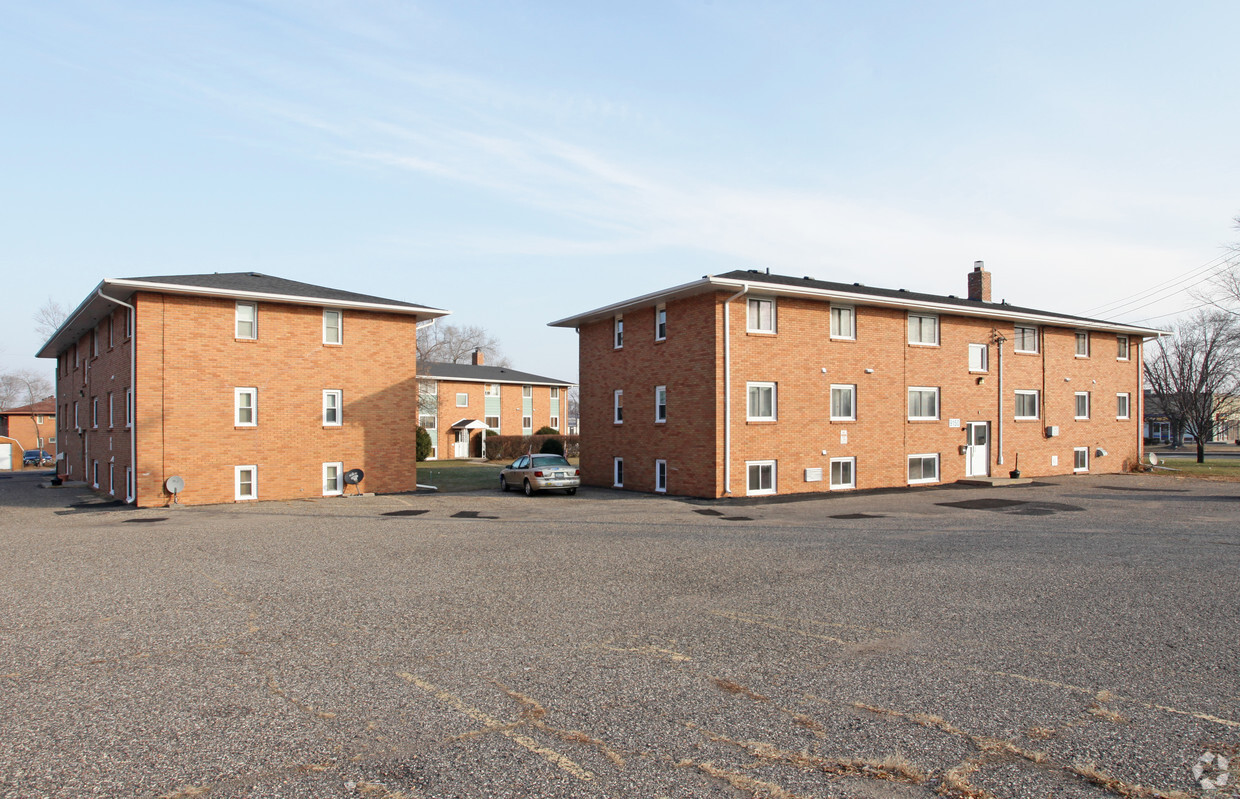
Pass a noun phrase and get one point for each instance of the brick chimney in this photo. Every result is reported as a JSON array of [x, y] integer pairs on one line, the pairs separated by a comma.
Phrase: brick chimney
[[478, 352], [979, 282]]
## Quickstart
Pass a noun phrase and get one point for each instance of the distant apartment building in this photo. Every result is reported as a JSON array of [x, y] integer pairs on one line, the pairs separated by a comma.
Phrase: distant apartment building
[[241, 385], [460, 401], [749, 383], [24, 427]]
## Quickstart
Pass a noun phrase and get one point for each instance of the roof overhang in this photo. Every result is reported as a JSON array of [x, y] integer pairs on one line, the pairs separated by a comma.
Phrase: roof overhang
[[720, 284], [469, 424], [485, 380], [100, 303]]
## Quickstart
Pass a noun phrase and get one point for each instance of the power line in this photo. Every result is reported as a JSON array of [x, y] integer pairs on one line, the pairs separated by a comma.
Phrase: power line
[[1212, 267]]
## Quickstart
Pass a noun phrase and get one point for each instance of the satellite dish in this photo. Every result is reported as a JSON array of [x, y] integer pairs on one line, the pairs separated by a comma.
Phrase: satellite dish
[[174, 484], [1153, 459], [354, 476]]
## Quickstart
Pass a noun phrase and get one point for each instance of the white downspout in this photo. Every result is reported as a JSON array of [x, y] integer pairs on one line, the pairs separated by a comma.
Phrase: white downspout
[[998, 339], [132, 399], [727, 389]]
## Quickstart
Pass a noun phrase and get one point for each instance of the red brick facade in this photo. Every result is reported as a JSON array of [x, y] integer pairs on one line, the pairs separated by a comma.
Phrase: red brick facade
[[190, 363], [29, 427], [545, 411], [804, 361]]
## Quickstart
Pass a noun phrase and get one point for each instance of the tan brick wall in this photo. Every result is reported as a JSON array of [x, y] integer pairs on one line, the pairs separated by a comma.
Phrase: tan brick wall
[[510, 411], [96, 377], [804, 361], [189, 363], [687, 363]]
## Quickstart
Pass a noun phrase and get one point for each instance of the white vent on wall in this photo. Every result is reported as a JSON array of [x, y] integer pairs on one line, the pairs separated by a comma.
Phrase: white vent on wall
[[813, 475]]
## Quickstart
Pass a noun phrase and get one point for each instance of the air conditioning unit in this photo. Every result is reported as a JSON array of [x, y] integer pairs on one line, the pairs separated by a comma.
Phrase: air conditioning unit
[[1052, 431]]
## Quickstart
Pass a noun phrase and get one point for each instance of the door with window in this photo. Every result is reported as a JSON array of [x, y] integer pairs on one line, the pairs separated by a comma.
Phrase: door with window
[[462, 444], [977, 451]]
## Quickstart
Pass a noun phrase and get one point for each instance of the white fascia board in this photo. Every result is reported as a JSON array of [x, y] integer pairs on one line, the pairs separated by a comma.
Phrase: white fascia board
[[998, 312], [694, 287], [46, 350], [173, 288], [942, 308]]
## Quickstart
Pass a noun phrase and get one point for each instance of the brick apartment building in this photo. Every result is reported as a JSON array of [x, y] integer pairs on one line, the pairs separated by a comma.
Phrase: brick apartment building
[[459, 401], [243, 385], [753, 383], [26, 427]]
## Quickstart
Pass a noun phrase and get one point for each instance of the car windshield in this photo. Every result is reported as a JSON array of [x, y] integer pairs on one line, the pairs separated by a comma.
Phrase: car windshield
[[544, 461]]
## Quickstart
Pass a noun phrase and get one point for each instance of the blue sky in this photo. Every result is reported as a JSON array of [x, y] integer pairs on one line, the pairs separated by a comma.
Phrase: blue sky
[[520, 162]]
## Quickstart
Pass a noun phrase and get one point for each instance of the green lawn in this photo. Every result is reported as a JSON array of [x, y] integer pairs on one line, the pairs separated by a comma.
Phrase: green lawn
[[459, 475], [1213, 469]]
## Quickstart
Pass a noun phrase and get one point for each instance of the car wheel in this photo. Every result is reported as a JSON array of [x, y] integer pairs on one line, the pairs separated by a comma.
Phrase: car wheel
[[571, 491], [529, 489], [503, 484]]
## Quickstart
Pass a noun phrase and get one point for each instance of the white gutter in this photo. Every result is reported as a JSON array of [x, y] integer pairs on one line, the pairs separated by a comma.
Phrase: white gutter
[[727, 389], [989, 311], [177, 288], [132, 399]]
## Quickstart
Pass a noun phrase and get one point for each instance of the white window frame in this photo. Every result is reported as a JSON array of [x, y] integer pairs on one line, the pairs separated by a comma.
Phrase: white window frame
[[934, 456], [487, 421], [852, 474], [660, 404], [462, 399], [617, 332], [1078, 451], [617, 472], [111, 411], [94, 413], [128, 407], [491, 390], [660, 322], [238, 393], [922, 317], [527, 424], [837, 330], [1018, 338], [617, 406], [76, 423], [338, 396], [760, 490], [984, 359], [1076, 405], [851, 391], [327, 312], [660, 476], [1037, 403], [1126, 401], [555, 393], [762, 386], [237, 470], [755, 326], [527, 392], [111, 335], [937, 403], [94, 474], [253, 321], [338, 489], [128, 324], [1082, 336], [1125, 343], [129, 484]]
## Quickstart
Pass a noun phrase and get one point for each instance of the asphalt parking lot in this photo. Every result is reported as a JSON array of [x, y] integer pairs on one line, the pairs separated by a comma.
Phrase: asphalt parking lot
[[1076, 638]]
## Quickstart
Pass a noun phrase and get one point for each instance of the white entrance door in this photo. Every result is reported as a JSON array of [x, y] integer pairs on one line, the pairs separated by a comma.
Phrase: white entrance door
[[6, 456], [977, 453], [462, 444]]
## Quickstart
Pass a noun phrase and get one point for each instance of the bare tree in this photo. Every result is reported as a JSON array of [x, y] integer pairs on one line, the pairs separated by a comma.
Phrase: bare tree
[[48, 318], [456, 344], [1194, 374]]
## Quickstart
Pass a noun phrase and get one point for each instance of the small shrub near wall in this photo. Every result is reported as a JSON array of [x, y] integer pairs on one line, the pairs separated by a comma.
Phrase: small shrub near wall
[[509, 448]]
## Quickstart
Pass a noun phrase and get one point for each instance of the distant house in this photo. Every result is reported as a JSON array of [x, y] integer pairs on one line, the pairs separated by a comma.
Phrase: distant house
[[749, 383], [459, 401], [242, 385], [27, 427], [1159, 428]]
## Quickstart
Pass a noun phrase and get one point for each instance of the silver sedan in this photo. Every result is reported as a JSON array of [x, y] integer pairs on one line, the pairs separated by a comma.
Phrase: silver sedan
[[540, 473]]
